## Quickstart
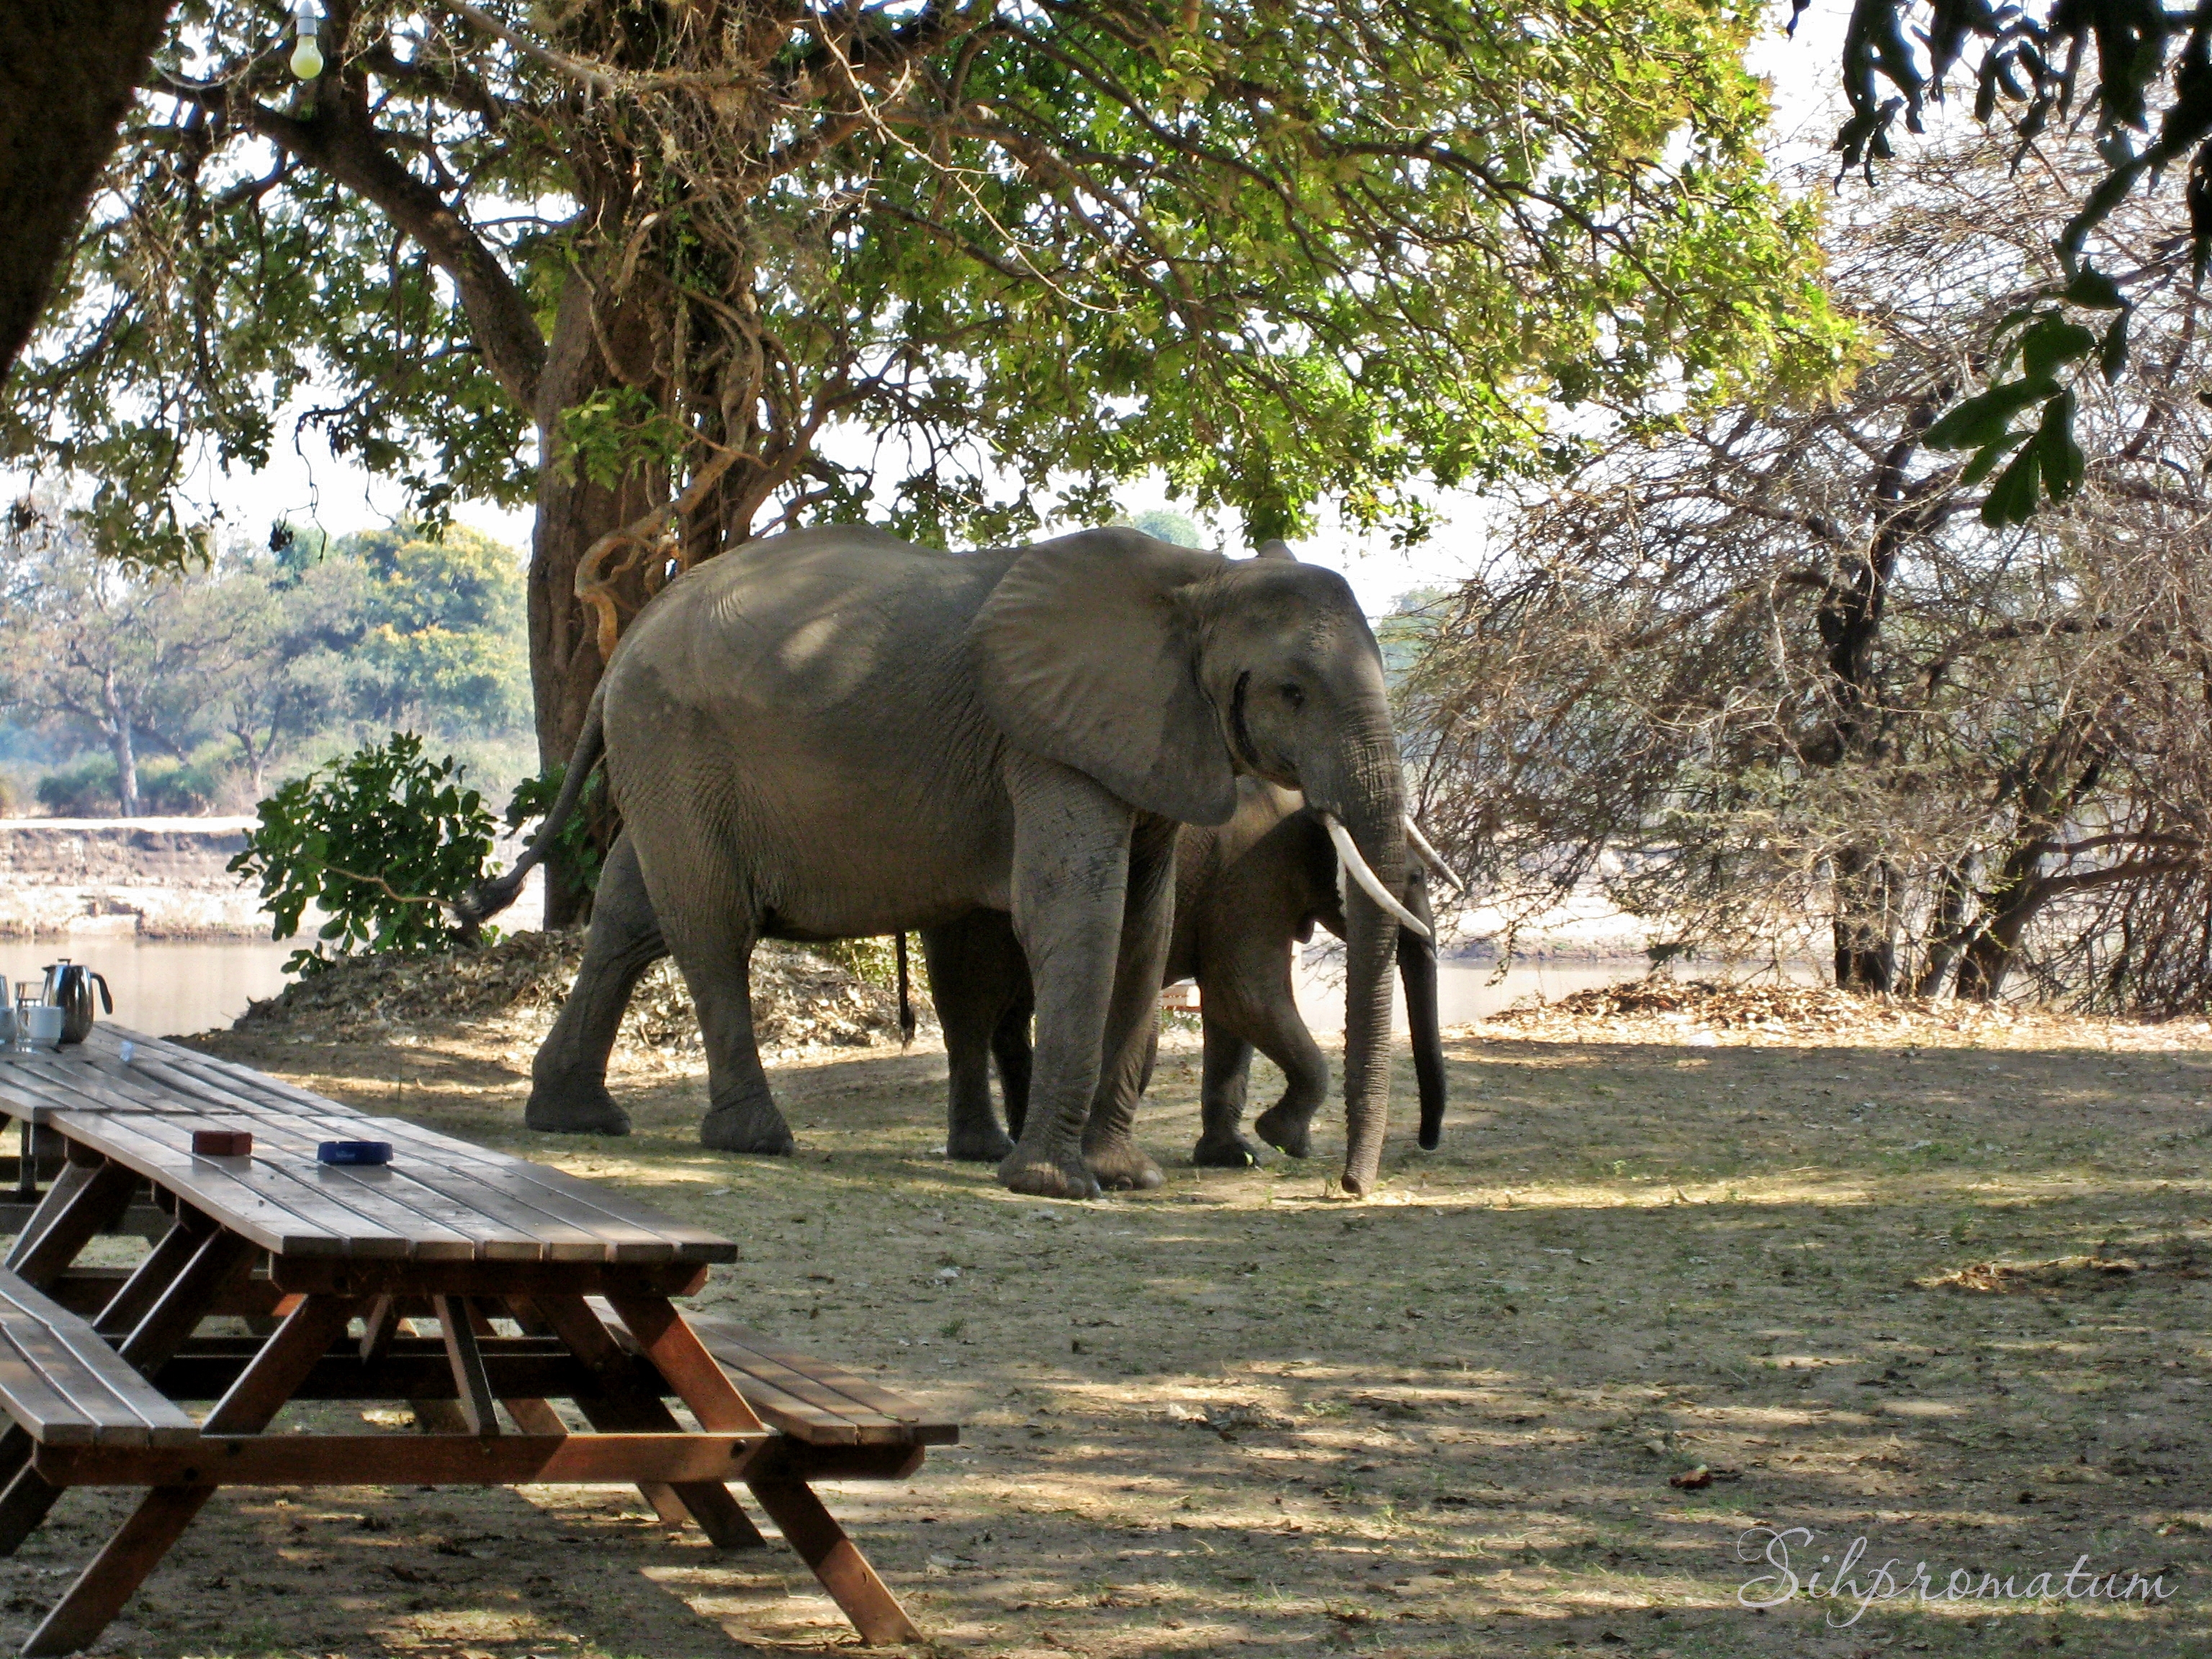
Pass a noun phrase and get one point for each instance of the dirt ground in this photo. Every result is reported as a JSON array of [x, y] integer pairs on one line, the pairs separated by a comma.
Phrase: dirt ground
[[1943, 1290]]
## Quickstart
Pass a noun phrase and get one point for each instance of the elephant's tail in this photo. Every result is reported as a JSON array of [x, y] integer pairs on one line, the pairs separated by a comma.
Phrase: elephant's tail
[[488, 898]]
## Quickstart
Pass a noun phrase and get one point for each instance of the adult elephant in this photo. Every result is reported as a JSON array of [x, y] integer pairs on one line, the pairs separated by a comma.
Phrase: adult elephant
[[1244, 891], [832, 734]]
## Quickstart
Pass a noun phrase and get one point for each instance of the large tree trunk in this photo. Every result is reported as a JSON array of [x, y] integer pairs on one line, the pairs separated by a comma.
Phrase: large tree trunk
[[572, 513], [67, 69]]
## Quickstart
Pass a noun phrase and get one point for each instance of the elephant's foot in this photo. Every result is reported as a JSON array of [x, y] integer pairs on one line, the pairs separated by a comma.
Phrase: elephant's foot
[[1039, 1173], [578, 1107], [748, 1124], [1292, 1131], [1226, 1151], [978, 1143], [1122, 1166]]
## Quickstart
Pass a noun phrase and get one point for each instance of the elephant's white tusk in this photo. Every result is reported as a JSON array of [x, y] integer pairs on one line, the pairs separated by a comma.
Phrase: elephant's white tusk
[[1348, 855], [1429, 856]]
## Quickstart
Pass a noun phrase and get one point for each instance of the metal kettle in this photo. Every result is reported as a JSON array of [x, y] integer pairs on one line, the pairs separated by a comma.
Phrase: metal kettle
[[68, 985]]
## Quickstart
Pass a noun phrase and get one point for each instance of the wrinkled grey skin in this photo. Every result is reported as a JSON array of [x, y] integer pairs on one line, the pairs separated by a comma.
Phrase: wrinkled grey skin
[[1244, 891], [832, 735]]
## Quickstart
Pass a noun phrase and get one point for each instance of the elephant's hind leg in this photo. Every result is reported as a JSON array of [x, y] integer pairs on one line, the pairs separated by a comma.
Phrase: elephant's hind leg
[[714, 945], [975, 973], [568, 1077]]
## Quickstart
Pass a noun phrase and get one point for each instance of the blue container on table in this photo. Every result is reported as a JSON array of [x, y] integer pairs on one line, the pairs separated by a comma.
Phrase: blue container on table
[[354, 1152]]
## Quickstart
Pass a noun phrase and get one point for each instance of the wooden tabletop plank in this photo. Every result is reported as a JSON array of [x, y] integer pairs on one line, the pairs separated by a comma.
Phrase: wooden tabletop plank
[[439, 1196], [265, 1091], [441, 1227], [561, 1240], [520, 1189], [43, 1086], [215, 1067], [690, 1242], [621, 1220], [366, 1207], [225, 1189]]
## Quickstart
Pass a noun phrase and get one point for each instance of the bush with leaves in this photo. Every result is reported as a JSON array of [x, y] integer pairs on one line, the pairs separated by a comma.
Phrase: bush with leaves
[[534, 797], [382, 842]]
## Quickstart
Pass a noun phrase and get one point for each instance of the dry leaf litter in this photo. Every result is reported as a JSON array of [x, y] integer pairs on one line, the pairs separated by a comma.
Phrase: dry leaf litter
[[801, 1003], [1704, 1013]]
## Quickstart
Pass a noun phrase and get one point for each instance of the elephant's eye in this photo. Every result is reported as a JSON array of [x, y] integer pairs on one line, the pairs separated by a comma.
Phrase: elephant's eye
[[1295, 696]]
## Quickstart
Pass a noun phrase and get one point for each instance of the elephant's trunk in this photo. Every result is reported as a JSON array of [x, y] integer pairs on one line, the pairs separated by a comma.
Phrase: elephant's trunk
[[1365, 791], [1417, 971]]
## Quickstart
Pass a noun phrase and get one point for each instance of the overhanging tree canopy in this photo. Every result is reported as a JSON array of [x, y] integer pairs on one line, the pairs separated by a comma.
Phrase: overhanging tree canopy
[[706, 255]]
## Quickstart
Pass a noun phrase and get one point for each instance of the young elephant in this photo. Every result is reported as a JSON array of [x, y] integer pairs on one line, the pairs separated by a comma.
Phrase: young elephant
[[1244, 891]]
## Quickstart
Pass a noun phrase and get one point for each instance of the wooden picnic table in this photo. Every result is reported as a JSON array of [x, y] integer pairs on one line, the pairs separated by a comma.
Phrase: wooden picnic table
[[540, 1287]]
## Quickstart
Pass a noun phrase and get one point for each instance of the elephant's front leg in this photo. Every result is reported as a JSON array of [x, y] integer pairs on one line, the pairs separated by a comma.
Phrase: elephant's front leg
[[1071, 878], [1109, 1145], [1227, 1070], [568, 1078]]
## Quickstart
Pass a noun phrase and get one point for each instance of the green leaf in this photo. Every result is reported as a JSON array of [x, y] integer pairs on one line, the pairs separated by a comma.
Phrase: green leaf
[[2112, 352], [1981, 421], [2050, 341], [2012, 498], [1978, 468], [2095, 290], [2064, 464]]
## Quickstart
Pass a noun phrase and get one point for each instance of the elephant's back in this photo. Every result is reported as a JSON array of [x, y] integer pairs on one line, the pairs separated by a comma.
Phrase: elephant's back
[[809, 621], [810, 701]]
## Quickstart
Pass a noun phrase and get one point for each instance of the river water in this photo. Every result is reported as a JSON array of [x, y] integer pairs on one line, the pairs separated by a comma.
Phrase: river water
[[163, 988]]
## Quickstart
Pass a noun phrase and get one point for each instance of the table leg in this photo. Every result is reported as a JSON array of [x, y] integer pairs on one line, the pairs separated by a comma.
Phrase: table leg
[[307, 1335], [837, 1560], [698, 1377], [102, 1589], [472, 1388], [88, 1207], [25, 1499], [169, 1257], [530, 1416], [65, 1184], [621, 1406]]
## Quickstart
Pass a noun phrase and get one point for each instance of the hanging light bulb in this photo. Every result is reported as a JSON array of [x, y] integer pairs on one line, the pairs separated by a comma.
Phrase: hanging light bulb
[[307, 53]]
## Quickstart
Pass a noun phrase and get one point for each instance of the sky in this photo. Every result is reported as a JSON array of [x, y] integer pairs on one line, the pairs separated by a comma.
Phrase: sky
[[304, 483]]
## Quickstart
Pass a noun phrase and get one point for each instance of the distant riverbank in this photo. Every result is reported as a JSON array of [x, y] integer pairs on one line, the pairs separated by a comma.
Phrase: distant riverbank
[[152, 878]]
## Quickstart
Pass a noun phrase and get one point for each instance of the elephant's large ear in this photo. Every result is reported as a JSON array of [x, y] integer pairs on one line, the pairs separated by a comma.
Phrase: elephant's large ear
[[1087, 655]]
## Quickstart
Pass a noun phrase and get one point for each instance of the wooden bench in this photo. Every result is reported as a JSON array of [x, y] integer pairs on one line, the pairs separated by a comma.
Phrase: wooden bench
[[65, 1385], [815, 1402]]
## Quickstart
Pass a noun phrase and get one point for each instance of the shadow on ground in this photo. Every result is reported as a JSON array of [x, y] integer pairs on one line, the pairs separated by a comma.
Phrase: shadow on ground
[[1950, 1301]]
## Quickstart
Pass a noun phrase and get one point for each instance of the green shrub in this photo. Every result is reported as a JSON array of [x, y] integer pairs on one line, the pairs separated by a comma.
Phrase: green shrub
[[381, 840], [533, 797]]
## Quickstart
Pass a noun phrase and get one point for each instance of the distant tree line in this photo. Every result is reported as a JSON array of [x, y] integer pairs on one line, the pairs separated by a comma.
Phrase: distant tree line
[[164, 692]]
